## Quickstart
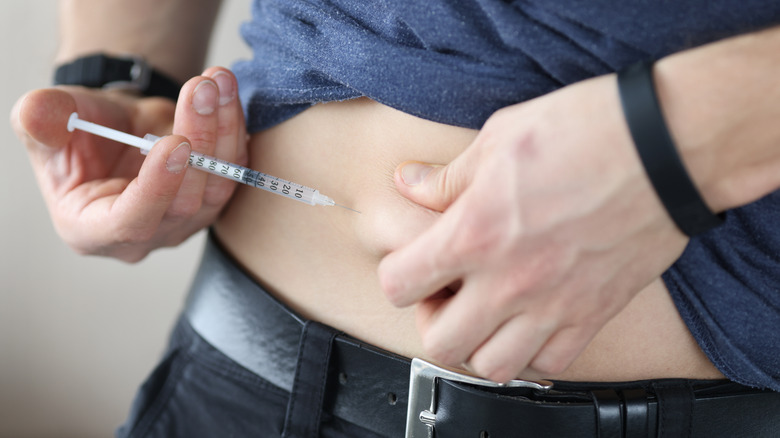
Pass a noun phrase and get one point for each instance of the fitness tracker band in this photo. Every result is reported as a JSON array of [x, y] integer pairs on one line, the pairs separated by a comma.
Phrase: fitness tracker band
[[127, 73], [658, 152]]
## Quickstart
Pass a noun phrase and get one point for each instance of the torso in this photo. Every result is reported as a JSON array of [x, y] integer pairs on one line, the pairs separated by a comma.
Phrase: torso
[[322, 261]]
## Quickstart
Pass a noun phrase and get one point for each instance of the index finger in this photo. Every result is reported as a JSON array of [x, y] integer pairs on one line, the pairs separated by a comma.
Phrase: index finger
[[423, 267]]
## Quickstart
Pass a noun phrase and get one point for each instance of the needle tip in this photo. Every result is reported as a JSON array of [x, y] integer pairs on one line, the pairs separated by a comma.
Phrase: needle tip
[[350, 209]]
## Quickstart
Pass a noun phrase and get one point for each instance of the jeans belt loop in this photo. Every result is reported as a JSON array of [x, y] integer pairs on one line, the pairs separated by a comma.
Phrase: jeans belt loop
[[423, 381]]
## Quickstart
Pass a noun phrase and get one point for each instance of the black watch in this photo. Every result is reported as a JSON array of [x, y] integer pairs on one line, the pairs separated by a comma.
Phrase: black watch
[[126, 73]]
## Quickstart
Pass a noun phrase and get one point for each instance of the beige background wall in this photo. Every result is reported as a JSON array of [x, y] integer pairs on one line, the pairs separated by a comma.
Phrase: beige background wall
[[77, 334]]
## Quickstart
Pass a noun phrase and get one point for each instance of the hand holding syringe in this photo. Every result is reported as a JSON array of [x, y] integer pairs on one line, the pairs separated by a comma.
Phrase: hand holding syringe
[[214, 166]]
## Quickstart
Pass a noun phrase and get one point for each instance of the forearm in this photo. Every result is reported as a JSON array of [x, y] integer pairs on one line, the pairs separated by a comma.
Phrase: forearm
[[172, 35], [722, 105]]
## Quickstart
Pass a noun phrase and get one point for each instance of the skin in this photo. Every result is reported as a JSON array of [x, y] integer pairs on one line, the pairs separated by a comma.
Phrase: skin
[[350, 158], [529, 280]]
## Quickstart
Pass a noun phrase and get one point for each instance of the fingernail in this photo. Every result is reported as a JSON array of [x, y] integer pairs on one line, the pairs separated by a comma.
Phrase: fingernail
[[226, 89], [414, 173], [178, 158], [204, 98]]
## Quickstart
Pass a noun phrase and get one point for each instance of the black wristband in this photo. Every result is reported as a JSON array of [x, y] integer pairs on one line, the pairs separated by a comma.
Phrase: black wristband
[[658, 153], [127, 73]]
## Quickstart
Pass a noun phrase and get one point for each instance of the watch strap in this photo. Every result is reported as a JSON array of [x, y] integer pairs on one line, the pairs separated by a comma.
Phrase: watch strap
[[127, 73], [658, 153]]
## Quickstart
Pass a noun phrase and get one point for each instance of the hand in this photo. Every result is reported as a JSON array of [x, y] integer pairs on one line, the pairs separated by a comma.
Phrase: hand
[[108, 199], [549, 228]]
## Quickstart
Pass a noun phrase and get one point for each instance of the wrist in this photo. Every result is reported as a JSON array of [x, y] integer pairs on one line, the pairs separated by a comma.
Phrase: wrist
[[658, 152], [172, 35], [720, 104]]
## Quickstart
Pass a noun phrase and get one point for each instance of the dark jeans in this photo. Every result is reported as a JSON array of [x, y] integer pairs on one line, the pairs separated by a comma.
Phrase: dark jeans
[[241, 364], [196, 391]]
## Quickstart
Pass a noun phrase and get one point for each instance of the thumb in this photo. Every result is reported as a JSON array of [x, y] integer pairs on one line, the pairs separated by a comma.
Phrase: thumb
[[146, 200], [432, 185], [39, 119]]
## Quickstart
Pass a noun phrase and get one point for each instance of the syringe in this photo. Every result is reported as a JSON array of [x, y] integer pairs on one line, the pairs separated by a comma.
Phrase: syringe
[[214, 166]]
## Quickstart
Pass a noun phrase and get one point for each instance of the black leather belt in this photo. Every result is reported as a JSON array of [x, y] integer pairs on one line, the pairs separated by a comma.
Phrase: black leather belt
[[373, 388]]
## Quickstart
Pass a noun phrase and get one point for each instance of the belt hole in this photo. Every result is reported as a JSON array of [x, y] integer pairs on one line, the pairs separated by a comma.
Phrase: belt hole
[[484, 434], [343, 378], [392, 399]]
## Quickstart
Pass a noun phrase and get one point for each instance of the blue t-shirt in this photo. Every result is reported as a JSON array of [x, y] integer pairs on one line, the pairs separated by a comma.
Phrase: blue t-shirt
[[457, 62]]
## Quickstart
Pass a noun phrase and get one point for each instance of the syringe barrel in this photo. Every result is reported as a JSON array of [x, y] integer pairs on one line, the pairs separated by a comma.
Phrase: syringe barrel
[[257, 179], [212, 165]]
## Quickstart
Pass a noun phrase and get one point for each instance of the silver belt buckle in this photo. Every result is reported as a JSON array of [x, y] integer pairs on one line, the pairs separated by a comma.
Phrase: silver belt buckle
[[423, 380]]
